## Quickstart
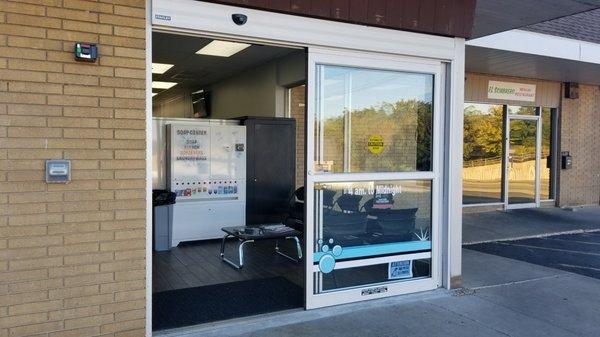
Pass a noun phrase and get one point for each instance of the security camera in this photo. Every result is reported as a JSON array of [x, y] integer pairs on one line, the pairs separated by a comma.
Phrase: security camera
[[239, 19]]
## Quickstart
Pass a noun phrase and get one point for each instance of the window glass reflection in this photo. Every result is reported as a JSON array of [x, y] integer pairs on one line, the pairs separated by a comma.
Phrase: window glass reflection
[[374, 212], [546, 158], [522, 110], [373, 274], [521, 161], [482, 153], [362, 220], [373, 120]]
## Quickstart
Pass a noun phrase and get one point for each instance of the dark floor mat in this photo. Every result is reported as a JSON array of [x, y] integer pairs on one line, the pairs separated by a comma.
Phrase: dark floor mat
[[576, 253], [184, 307]]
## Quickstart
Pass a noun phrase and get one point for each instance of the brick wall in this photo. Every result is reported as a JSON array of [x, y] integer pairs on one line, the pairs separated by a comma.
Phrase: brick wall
[[580, 134], [72, 256]]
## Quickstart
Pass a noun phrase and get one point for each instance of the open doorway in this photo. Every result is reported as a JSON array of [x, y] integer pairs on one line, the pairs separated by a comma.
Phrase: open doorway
[[228, 177]]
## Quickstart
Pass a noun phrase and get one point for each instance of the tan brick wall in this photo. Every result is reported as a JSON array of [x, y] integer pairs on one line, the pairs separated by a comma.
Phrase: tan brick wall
[[72, 256], [580, 134]]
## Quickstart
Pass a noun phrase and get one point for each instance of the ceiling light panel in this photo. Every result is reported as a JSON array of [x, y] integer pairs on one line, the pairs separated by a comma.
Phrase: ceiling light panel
[[160, 68], [222, 48], [162, 85]]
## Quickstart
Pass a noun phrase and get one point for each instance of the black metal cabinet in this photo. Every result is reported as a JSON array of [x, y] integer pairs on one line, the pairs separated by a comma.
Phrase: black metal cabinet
[[270, 167]]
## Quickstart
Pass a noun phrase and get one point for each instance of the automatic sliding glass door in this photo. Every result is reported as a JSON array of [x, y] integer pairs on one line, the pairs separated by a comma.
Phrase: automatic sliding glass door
[[373, 183]]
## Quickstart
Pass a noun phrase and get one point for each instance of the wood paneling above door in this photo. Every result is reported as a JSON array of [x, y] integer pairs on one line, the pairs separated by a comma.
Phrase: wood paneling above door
[[441, 17]]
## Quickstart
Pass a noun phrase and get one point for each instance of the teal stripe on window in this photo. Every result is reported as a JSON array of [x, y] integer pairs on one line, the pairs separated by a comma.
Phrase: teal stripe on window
[[377, 249]]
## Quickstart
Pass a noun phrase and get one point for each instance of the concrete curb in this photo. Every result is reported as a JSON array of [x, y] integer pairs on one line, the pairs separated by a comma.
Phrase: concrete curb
[[536, 236]]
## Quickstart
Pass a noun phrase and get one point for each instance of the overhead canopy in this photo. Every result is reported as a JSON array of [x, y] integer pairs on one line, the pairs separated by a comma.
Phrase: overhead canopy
[[494, 16], [461, 18], [534, 55]]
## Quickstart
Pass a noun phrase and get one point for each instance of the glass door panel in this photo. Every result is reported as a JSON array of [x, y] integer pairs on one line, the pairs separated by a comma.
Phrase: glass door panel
[[522, 170], [373, 181], [371, 120], [547, 159], [522, 110], [366, 219]]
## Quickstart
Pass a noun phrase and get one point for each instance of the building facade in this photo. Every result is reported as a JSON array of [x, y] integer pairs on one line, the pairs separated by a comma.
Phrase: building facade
[[76, 258], [553, 58], [73, 255]]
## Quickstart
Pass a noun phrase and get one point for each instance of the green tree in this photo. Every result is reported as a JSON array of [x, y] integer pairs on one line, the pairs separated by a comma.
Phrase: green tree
[[482, 132], [405, 126]]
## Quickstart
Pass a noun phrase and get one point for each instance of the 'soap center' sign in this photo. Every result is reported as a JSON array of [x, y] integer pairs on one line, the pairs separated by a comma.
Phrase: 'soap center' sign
[[511, 91]]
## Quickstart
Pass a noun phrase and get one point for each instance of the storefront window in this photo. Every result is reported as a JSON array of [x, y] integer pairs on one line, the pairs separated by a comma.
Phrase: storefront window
[[373, 120], [547, 160], [522, 110], [483, 165], [522, 150], [482, 153]]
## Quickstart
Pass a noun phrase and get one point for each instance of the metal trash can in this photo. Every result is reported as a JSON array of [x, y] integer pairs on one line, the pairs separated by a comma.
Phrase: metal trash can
[[162, 219]]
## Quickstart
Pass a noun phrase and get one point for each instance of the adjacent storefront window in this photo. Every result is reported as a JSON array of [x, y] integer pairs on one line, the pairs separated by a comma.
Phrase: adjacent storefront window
[[482, 153], [546, 188], [522, 152], [485, 167], [522, 110]]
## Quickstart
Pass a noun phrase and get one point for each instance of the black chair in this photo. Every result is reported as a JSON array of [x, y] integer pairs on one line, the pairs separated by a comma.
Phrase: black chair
[[398, 224], [328, 199], [349, 203], [294, 216], [345, 224]]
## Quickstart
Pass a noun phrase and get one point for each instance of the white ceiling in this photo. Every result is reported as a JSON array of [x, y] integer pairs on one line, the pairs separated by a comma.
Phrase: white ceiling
[[194, 71]]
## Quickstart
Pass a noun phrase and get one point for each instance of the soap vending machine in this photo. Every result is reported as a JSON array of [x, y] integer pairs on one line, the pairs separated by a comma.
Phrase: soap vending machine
[[206, 168]]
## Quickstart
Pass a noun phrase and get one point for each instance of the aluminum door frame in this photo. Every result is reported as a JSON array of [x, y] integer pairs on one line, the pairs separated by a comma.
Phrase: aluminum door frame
[[538, 144], [366, 60]]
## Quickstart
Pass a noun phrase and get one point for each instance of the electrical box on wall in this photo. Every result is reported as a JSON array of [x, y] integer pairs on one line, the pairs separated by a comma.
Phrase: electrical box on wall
[[571, 90], [58, 171], [87, 52], [566, 160]]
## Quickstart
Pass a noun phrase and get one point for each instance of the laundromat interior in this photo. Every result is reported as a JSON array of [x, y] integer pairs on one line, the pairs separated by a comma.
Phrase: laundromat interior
[[229, 153], [227, 117]]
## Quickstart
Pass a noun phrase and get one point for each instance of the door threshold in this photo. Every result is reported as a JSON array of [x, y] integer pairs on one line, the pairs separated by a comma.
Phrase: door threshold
[[259, 322], [205, 329], [520, 206]]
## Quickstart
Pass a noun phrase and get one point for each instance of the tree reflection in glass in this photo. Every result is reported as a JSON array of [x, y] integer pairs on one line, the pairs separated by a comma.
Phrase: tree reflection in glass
[[357, 106], [482, 153]]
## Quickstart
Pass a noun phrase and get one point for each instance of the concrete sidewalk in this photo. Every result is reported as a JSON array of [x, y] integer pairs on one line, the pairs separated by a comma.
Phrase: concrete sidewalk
[[502, 297], [519, 223]]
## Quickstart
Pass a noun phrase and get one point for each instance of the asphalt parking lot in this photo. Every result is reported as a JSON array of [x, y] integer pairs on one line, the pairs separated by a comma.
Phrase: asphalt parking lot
[[576, 253]]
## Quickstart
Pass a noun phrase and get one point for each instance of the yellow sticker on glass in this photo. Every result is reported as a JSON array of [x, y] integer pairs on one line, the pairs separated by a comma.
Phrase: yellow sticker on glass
[[375, 144]]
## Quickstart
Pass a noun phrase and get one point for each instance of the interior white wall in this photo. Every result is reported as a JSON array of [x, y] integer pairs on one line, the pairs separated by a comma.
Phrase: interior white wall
[[259, 91], [250, 93], [173, 103]]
